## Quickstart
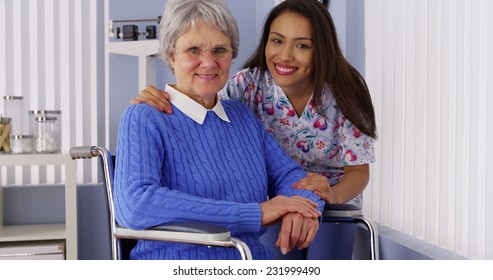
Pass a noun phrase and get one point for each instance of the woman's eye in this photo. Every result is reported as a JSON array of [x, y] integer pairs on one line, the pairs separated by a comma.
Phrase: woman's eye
[[219, 50], [303, 46], [194, 50]]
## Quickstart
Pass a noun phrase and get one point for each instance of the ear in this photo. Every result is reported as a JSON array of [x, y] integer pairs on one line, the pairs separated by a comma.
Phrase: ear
[[172, 59]]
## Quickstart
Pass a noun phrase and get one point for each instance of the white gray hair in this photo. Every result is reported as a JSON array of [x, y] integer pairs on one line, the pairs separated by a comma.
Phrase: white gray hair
[[181, 15]]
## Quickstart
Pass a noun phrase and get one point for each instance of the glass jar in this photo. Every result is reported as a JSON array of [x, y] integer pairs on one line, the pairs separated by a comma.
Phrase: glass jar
[[21, 144], [33, 114], [14, 109], [47, 135], [5, 128]]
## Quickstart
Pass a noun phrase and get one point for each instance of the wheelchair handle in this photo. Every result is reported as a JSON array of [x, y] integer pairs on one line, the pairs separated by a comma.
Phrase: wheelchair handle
[[83, 152]]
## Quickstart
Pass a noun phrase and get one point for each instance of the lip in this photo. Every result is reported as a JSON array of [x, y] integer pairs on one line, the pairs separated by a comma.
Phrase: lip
[[207, 76], [284, 70]]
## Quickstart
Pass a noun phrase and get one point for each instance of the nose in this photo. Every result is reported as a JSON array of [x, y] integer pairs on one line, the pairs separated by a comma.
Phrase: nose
[[286, 52], [207, 59]]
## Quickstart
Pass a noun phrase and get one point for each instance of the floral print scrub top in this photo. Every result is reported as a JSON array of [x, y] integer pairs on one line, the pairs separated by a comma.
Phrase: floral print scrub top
[[321, 144]]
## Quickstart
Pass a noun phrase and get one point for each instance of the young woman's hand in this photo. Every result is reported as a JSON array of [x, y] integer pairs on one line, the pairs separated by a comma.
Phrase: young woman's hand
[[318, 184], [276, 208], [353, 183], [155, 97]]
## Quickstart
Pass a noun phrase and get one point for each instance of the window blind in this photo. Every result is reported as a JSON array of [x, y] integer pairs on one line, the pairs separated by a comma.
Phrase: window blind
[[429, 66]]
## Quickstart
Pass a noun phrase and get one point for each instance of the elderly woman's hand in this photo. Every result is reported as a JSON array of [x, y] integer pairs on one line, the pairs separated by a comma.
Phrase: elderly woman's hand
[[277, 207], [296, 231], [319, 184], [155, 97]]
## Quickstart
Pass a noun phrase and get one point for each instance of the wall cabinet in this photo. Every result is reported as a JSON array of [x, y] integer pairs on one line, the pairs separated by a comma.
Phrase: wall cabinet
[[45, 232]]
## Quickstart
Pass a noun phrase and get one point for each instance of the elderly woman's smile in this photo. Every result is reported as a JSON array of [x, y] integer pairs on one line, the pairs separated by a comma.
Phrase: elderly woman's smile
[[201, 59]]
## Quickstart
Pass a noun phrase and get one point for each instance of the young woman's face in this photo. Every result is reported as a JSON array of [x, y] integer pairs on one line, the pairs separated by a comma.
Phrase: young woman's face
[[289, 53], [201, 60]]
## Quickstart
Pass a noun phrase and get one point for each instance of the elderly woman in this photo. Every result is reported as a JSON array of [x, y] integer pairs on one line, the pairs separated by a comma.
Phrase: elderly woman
[[211, 161]]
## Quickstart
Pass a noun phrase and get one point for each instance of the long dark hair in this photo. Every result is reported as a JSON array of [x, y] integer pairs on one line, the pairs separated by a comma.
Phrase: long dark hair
[[330, 67]]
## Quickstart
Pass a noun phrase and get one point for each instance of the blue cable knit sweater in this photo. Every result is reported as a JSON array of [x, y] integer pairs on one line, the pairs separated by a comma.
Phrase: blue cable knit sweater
[[169, 168]]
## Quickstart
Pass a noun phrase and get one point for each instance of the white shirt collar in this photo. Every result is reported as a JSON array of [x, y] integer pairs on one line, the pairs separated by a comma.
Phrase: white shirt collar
[[193, 109]]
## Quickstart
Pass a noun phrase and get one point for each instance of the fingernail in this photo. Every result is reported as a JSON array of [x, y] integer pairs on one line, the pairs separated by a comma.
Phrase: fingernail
[[284, 251]]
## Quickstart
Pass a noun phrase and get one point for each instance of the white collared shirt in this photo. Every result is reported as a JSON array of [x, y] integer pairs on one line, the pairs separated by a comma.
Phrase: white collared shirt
[[192, 108]]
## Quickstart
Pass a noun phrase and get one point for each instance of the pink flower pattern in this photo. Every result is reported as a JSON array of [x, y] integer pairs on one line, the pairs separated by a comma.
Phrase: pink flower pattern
[[320, 144]]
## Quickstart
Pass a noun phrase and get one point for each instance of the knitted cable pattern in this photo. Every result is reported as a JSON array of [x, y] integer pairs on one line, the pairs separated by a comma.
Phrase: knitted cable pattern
[[171, 169]]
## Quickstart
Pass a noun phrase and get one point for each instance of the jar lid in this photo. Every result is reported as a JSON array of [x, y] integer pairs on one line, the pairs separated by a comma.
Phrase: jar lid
[[11, 97], [21, 137], [5, 120], [44, 112], [44, 119]]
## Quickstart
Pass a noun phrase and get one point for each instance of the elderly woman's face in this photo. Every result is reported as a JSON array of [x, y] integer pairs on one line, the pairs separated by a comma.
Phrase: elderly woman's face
[[201, 59]]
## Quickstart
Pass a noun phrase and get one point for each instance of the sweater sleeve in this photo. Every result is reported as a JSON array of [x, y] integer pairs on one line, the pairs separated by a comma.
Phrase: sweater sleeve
[[141, 201]]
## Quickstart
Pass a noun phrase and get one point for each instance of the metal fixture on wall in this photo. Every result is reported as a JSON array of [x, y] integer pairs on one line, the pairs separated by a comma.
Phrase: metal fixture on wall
[[130, 31]]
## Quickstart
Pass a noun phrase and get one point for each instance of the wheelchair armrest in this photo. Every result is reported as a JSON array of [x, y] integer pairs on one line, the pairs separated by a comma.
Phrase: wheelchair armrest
[[186, 232], [194, 227], [340, 211]]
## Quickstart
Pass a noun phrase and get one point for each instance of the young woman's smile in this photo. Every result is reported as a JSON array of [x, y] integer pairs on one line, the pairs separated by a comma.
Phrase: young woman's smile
[[289, 53]]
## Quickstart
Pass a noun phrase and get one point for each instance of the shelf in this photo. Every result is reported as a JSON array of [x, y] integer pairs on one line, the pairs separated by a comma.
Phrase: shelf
[[136, 48], [67, 231], [32, 232], [33, 159]]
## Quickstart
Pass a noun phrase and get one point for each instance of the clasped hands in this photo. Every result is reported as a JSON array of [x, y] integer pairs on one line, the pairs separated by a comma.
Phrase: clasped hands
[[298, 217]]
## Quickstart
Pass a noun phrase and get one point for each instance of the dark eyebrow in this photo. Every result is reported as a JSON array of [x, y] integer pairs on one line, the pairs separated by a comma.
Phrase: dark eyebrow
[[297, 38]]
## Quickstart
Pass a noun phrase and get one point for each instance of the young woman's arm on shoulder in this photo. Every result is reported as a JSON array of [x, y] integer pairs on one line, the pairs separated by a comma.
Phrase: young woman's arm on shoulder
[[155, 97]]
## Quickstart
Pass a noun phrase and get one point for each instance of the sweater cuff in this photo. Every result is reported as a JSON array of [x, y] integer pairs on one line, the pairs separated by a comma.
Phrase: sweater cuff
[[250, 217]]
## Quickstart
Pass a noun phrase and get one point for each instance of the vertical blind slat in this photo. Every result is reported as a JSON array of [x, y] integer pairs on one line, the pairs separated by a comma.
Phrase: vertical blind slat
[[17, 70], [488, 153], [398, 169], [49, 54], [443, 157], [387, 120], [78, 69], [93, 96], [432, 121], [64, 66], [3, 51], [408, 72], [452, 124], [372, 194]]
